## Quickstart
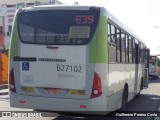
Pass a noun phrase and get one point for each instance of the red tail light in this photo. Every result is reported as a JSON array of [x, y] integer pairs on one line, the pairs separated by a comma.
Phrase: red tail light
[[155, 69], [12, 86], [96, 88], [22, 101], [83, 106]]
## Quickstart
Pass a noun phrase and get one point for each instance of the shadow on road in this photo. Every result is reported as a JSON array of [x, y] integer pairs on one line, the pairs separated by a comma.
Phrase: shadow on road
[[154, 81], [147, 101], [142, 103]]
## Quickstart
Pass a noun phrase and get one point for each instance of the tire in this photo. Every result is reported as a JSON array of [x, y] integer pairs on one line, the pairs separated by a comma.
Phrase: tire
[[141, 88], [155, 77], [124, 100]]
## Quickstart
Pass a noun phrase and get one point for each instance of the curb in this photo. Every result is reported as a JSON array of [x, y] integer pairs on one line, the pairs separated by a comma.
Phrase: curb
[[5, 86], [4, 93]]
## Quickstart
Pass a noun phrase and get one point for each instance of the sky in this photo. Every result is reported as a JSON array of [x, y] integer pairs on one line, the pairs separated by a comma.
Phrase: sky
[[141, 16]]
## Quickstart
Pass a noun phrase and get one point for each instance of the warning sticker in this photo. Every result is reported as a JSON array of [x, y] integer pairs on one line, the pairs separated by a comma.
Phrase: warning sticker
[[79, 32]]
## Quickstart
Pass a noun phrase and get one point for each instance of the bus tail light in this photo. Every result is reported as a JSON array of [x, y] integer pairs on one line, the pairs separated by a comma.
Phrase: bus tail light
[[96, 88], [12, 86]]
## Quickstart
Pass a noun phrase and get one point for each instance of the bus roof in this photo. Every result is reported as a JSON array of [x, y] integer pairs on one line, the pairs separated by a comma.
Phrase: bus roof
[[79, 7]]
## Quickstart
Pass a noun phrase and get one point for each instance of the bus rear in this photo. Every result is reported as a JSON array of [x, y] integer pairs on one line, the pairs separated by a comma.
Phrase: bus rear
[[52, 65]]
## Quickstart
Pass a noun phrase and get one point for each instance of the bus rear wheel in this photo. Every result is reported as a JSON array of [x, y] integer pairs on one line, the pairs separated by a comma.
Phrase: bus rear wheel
[[155, 77], [124, 100]]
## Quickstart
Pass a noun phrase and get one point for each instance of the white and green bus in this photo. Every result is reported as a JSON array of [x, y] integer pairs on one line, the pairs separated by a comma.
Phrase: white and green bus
[[75, 59]]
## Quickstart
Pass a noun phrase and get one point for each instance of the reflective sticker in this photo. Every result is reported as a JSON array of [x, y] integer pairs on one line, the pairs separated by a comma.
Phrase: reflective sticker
[[27, 89], [79, 32], [25, 65], [78, 92]]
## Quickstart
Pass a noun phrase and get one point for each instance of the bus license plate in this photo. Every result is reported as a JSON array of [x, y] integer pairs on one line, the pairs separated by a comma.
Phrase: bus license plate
[[52, 90], [77, 92]]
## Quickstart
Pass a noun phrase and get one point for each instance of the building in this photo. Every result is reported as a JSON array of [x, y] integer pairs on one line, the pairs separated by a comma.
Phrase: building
[[7, 12]]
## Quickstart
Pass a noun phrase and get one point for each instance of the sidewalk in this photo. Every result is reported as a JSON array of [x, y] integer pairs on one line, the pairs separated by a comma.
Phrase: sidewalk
[[4, 89], [5, 86]]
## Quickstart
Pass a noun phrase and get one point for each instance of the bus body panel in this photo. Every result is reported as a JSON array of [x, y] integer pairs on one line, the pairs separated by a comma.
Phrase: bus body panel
[[117, 80], [69, 73], [92, 106]]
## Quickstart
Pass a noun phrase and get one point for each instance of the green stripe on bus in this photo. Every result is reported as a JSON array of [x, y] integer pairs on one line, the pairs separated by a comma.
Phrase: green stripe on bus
[[98, 47], [14, 41]]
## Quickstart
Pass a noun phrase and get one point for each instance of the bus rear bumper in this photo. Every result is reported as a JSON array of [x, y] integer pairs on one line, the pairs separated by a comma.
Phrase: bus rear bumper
[[90, 106]]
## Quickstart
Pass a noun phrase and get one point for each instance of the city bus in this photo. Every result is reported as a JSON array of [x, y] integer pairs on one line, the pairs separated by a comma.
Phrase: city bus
[[74, 59], [154, 67]]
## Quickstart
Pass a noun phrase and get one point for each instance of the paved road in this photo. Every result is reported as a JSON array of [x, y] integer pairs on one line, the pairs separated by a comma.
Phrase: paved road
[[148, 100]]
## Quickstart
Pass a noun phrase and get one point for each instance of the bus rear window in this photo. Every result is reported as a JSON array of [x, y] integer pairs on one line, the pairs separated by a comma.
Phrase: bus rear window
[[58, 27]]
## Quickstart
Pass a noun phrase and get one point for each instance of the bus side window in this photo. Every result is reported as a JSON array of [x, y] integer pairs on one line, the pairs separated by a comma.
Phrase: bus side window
[[133, 52], [109, 32], [140, 55], [111, 43], [113, 34], [118, 44], [123, 46], [130, 49], [127, 49]]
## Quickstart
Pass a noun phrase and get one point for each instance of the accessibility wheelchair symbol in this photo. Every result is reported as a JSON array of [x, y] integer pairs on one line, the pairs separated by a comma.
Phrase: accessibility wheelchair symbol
[[25, 65]]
